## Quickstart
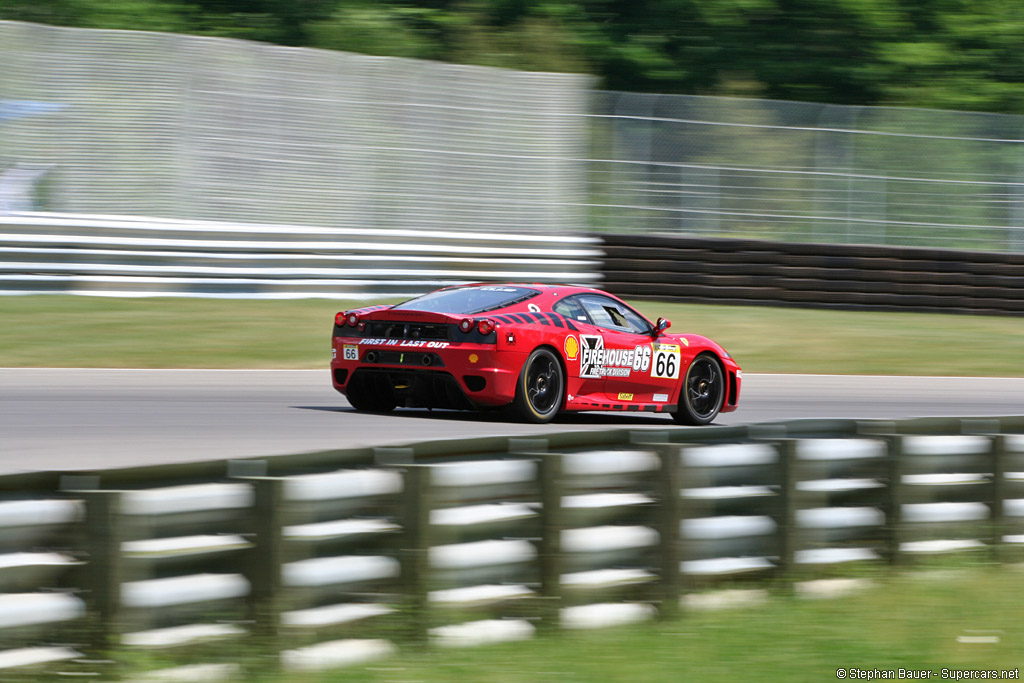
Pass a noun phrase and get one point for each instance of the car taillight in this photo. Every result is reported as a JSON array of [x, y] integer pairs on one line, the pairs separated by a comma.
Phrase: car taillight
[[353, 318], [466, 325], [339, 320], [485, 326]]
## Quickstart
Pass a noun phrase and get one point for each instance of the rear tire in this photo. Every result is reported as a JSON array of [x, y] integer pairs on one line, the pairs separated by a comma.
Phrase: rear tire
[[370, 394], [540, 389], [702, 393]]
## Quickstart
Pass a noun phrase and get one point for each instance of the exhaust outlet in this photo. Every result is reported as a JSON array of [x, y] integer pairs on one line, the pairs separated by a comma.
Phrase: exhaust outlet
[[427, 359], [371, 357]]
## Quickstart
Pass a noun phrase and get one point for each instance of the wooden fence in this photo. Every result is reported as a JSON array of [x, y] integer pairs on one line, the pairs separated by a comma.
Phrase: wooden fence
[[328, 559], [751, 272]]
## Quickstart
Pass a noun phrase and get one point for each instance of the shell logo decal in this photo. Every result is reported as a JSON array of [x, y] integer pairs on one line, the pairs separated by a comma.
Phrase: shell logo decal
[[572, 347]]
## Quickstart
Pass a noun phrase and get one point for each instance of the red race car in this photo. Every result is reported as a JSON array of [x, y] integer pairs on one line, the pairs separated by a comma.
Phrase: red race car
[[542, 349]]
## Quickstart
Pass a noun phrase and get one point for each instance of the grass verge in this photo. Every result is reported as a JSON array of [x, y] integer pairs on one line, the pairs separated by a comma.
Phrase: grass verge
[[962, 619], [69, 331]]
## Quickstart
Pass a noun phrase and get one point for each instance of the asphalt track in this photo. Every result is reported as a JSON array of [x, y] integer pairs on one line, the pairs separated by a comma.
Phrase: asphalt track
[[73, 419]]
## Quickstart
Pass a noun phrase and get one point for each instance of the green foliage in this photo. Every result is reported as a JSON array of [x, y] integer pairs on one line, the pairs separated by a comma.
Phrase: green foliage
[[381, 29], [956, 54]]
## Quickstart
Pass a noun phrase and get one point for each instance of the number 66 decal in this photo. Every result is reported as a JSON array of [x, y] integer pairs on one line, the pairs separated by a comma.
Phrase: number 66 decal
[[666, 361]]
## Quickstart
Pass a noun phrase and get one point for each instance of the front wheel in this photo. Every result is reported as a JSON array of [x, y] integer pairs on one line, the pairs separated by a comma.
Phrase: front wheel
[[702, 393], [541, 387]]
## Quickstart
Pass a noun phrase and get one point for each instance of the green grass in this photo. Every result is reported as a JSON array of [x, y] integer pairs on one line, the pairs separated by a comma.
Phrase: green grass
[[910, 621], [67, 331]]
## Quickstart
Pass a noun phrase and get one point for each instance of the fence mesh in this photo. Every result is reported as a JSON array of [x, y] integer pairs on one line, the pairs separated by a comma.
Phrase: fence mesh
[[124, 122], [806, 172]]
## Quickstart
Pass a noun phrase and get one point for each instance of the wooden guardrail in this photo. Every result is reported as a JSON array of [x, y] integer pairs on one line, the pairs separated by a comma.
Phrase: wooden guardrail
[[321, 560], [752, 272]]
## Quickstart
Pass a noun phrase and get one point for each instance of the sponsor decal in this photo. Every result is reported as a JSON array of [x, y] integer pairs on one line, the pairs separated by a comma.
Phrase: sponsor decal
[[625, 397], [533, 308], [666, 362], [498, 289], [592, 360], [596, 361], [351, 352], [685, 341], [473, 358], [660, 398], [406, 343], [572, 347], [739, 374], [642, 358], [334, 354]]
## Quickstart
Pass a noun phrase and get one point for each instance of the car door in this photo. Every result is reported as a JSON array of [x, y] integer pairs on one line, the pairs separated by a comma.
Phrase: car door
[[627, 362], [583, 351]]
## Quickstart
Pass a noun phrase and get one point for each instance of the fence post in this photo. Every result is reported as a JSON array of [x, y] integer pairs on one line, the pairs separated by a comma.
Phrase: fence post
[[414, 554], [267, 556], [998, 495], [670, 487], [104, 531], [895, 467], [786, 522], [552, 524]]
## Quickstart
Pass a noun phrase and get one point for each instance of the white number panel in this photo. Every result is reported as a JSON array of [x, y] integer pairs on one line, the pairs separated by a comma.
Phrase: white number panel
[[666, 361]]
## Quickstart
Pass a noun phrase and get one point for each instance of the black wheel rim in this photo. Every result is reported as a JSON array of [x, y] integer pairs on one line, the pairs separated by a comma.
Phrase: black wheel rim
[[704, 387], [543, 384]]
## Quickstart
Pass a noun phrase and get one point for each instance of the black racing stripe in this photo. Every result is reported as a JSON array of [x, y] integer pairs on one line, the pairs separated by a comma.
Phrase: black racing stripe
[[536, 317], [519, 318], [505, 318], [650, 408], [634, 407], [571, 325], [555, 318]]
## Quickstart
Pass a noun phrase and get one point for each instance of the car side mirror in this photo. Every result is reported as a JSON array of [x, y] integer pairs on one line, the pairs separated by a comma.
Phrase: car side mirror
[[662, 325]]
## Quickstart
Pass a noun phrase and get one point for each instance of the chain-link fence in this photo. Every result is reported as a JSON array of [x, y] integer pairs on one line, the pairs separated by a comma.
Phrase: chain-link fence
[[165, 125], [189, 127], [806, 172]]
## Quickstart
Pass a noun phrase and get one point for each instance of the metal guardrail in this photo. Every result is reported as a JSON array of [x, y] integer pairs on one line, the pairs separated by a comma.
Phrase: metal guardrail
[[326, 559], [131, 256]]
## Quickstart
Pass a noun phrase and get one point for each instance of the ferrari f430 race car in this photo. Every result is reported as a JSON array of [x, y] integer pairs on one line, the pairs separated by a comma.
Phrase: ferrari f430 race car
[[540, 349]]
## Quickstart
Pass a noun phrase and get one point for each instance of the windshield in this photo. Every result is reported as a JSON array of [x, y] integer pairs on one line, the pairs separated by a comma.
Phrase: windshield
[[468, 300]]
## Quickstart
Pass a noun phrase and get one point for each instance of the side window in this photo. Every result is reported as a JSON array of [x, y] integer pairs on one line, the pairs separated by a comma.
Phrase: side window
[[612, 315], [636, 322], [570, 307]]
